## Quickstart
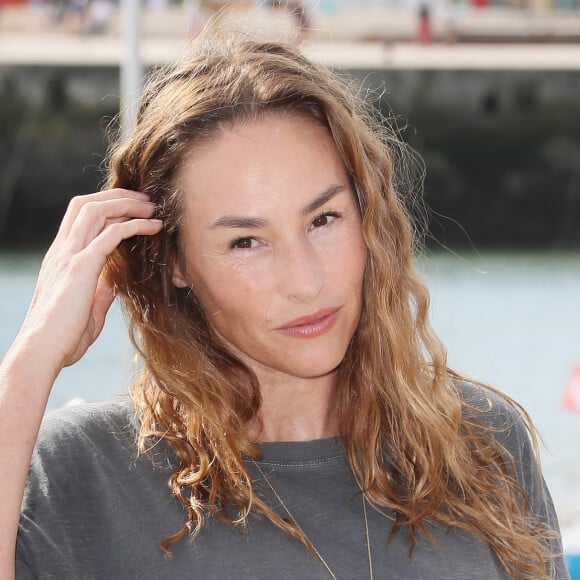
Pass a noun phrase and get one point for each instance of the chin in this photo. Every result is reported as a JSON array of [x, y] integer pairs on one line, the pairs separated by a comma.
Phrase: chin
[[315, 366]]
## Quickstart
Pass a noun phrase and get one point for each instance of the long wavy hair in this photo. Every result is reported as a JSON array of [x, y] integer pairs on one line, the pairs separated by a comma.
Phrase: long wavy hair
[[396, 399]]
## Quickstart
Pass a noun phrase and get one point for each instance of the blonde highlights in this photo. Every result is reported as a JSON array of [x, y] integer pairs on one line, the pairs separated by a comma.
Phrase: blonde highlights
[[412, 443]]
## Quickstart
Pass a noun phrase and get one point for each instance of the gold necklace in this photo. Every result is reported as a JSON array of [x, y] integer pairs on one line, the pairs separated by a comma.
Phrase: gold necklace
[[318, 554]]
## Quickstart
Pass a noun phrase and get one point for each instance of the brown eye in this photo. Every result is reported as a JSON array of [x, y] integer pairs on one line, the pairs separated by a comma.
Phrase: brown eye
[[321, 220], [324, 219], [243, 243]]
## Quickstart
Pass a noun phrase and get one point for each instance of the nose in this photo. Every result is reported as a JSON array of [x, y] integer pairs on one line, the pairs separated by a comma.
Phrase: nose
[[301, 272]]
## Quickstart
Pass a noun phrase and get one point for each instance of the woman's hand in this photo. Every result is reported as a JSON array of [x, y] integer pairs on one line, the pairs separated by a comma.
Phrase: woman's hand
[[72, 296], [65, 317]]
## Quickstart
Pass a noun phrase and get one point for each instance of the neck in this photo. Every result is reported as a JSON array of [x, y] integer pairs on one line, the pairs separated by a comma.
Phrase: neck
[[295, 409]]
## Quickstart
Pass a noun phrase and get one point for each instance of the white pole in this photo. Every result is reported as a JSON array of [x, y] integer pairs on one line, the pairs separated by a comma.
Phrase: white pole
[[131, 69]]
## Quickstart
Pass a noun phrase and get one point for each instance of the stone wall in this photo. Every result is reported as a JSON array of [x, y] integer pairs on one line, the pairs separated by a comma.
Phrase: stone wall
[[501, 149]]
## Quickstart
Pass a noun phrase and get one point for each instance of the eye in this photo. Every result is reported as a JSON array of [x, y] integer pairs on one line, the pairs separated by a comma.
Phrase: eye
[[324, 219], [243, 244]]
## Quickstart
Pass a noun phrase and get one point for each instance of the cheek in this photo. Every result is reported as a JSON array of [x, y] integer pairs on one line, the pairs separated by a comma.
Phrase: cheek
[[356, 270], [357, 260], [363, 256], [360, 248], [348, 257], [233, 299]]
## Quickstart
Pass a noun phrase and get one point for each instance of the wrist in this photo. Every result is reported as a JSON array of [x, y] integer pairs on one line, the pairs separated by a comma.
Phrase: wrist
[[29, 358]]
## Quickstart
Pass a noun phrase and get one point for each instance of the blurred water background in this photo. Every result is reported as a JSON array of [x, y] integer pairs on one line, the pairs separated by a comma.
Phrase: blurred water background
[[510, 319]]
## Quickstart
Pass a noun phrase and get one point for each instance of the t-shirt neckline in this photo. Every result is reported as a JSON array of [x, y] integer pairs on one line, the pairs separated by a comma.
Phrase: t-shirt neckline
[[299, 451]]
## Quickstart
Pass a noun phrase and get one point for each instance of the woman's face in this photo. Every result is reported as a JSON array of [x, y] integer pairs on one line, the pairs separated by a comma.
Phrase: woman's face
[[273, 245]]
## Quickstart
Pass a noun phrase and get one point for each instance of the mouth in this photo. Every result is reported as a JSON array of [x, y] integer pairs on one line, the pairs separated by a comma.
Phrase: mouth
[[311, 325]]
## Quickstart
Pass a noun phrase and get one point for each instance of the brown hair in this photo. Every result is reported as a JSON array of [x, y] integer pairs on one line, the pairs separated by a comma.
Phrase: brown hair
[[395, 390]]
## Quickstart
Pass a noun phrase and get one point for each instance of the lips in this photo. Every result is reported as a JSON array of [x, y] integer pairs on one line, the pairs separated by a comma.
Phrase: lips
[[311, 325]]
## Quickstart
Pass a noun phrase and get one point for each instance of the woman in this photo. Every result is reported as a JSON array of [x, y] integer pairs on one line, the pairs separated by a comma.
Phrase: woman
[[291, 393]]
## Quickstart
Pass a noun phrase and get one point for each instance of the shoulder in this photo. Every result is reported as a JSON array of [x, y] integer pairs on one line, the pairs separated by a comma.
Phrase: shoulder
[[87, 439], [91, 417], [80, 425], [83, 452], [504, 425], [489, 408], [85, 491], [95, 439], [508, 428]]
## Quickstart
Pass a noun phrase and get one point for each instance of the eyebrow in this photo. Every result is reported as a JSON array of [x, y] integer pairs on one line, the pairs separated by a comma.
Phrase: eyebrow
[[238, 221], [245, 222], [323, 198]]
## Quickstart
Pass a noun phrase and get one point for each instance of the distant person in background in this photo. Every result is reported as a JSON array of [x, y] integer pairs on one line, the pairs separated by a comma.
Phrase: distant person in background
[[74, 18], [424, 30], [83, 16], [99, 17], [293, 414]]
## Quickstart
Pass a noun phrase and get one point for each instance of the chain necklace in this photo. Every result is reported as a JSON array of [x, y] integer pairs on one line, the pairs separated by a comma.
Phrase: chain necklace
[[318, 554]]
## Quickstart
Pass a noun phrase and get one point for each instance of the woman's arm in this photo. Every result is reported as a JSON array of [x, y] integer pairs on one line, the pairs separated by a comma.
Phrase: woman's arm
[[66, 315]]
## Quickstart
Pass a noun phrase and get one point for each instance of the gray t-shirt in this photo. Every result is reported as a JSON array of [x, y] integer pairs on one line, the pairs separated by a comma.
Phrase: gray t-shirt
[[93, 510]]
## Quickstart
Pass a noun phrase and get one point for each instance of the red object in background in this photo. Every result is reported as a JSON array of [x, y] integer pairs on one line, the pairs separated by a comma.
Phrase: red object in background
[[424, 25], [13, 2], [480, 3], [572, 392]]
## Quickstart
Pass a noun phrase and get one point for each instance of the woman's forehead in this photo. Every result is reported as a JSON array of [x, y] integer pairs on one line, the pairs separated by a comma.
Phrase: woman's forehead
[[274, 161]]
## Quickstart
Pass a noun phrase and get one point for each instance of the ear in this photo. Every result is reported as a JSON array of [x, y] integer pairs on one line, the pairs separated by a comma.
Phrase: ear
[[179, 279]]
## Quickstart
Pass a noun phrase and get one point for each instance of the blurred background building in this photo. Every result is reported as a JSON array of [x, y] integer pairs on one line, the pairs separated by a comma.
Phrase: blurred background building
[[485, 90], [386, 20]]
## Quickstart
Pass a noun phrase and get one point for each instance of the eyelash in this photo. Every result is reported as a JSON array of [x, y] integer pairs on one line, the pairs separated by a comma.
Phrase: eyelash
[[333, 214], [235, 244]]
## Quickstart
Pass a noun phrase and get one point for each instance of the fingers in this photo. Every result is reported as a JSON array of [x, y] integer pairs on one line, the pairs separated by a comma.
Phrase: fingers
[[111, 236], [72, 296], [94, 216], [95, 224], [95, 221], [77, 203]]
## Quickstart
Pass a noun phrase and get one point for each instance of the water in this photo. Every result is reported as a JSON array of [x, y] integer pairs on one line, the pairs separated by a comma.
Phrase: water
[[512, 320]]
